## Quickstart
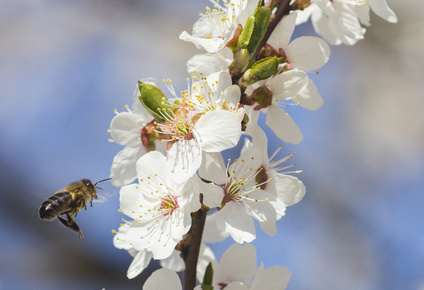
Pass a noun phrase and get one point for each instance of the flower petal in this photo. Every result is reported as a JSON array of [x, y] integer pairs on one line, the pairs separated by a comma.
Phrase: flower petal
[[183, 160], [238, 263], [283, 125], [234, 219], [163, 279], [210, 45], [218, 130], [125, 128], [288, 84], [269, 227], [123, 170], [140, 262], [173, 262], [308, 53], [212, 194], [383, 10], [211, 233], [213, 167], [207, 63], [272, 278], [282, 33], [309, 98]]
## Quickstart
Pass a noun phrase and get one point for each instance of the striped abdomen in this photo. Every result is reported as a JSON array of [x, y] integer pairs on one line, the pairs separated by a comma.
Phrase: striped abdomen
[[55, 205]]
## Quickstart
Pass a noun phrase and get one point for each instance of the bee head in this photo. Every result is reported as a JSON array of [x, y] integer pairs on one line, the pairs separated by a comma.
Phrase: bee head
[[90, 186]]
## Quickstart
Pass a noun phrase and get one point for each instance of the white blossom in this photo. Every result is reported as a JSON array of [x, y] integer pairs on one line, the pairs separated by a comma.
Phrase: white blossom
[[159, 206], [203, 121], [217, 26], [278, 92], [339, 21]]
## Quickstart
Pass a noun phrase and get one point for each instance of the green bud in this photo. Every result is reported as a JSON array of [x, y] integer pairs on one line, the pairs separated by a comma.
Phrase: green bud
[[208, 278], [260, 70], [240, 63], [153, 99]]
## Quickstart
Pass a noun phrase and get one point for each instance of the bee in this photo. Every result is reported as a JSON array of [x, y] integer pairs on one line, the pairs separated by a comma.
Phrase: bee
[[69, 201]]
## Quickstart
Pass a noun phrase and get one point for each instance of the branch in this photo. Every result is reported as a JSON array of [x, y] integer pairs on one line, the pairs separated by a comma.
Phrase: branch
[[191, 248]]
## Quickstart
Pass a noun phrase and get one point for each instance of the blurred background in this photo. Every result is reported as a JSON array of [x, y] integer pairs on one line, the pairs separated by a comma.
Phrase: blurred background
[[66, 65]]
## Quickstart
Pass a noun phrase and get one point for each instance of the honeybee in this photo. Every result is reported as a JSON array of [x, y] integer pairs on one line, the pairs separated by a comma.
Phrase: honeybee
[[69, 201]]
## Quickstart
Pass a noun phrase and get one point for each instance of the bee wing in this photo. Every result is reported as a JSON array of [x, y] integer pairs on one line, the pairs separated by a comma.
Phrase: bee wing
[[104, 195]]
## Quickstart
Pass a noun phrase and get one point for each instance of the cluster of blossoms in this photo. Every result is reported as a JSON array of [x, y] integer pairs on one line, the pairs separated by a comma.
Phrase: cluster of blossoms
[[174, 142]]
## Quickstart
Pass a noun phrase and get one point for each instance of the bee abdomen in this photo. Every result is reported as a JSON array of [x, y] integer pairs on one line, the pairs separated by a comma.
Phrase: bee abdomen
[[55, 205]]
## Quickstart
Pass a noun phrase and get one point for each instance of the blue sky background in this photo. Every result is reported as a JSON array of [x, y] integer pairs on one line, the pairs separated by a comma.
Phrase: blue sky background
[[65, 66]]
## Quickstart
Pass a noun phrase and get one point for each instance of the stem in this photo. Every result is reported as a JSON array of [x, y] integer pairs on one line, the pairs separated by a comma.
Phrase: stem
[[282, 10], [190, 251]]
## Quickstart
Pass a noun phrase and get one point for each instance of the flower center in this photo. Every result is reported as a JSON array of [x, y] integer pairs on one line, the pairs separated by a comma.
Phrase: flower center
[[169, 204], [239, 183], [177, 127]]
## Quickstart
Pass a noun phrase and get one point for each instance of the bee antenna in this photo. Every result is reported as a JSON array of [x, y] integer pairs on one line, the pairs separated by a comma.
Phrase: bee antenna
[[102, 181]]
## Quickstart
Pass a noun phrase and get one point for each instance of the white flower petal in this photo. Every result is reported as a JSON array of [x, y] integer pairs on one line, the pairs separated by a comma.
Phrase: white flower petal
[[272, 278], [288, 84], [173, 262], [125, 128], [269, 227], [140, 262], [238, 263], [210, 45], [236, 286], [123, 170], [282, 33], [207, 63], [211, 233], [232, 95], [383, 10], [218, 130], [288, 189], [234, 219], [183, 160], [308, 53], [309, 98], [283, 125], [212, 194], [261, 210], [213, 167], [129, 197], [163, 279]]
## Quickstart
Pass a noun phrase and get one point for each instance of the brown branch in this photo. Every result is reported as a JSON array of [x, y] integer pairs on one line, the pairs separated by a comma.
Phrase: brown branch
[[191, 248]]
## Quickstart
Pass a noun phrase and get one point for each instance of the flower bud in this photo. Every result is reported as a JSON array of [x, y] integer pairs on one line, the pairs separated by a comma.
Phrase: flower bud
[[260, 70], [153, 99], [241, 62]]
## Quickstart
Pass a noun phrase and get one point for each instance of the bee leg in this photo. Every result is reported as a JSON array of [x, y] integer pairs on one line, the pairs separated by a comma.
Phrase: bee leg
[[70, 223]]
